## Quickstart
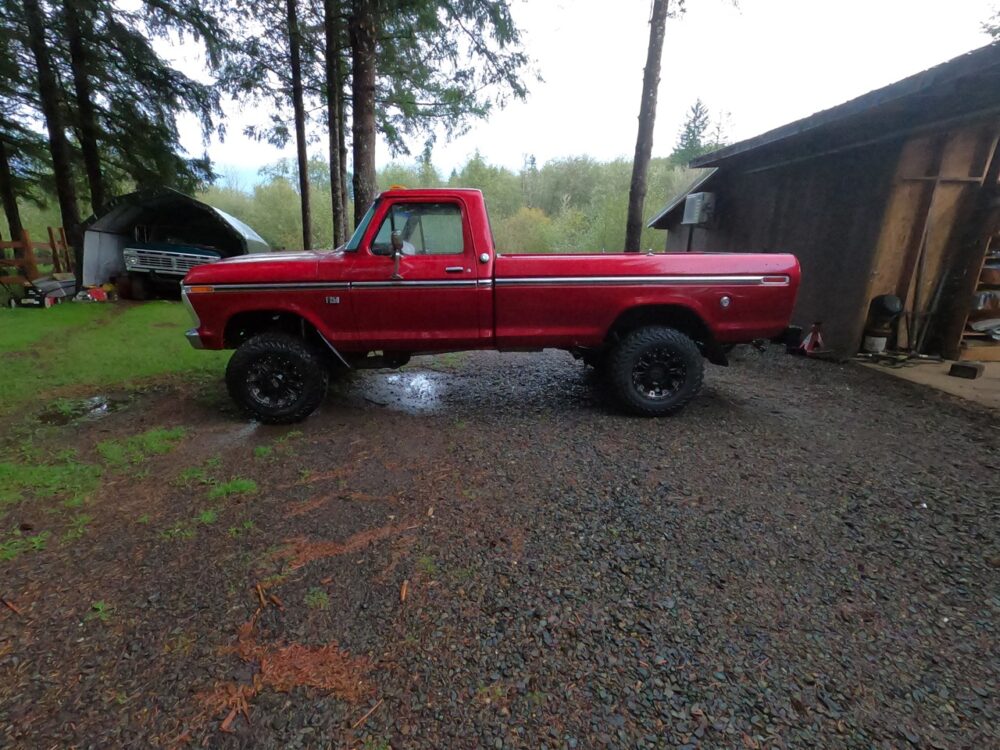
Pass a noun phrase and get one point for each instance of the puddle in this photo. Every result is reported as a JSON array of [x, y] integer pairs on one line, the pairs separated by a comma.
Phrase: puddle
[[410, 392], [64, 411]]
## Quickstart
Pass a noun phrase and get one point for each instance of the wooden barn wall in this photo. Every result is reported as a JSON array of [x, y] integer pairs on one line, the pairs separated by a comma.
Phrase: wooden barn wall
[[828, 212], [922, 253]]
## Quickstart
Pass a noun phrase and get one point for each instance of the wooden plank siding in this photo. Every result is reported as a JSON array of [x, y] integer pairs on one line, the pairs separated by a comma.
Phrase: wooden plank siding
[[922, 254]]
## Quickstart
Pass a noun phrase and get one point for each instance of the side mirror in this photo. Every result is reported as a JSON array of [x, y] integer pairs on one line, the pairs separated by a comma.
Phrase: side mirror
[[396, 240]]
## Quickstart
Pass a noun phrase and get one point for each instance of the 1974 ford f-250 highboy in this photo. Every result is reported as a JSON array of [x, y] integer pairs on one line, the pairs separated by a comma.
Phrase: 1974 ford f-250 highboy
[[421, 274]]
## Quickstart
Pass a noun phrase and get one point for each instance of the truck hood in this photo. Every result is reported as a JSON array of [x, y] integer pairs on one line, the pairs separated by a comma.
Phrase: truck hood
[[270, 268]]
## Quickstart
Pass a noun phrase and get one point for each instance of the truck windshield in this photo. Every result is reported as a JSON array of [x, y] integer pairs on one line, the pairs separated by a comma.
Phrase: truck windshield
[[352, 244]]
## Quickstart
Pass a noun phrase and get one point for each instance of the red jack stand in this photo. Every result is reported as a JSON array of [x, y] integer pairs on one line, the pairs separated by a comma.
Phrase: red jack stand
[[812, 344]]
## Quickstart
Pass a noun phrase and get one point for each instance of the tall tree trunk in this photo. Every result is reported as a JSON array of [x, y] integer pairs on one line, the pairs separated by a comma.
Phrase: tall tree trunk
[[363, 31], [298, 104], [342, 135], [647, 116], [333, 96], [7, 196], [48, 95], [88, 131]]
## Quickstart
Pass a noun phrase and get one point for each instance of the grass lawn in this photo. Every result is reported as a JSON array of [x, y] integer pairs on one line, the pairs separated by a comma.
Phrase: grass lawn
[[76, 348]]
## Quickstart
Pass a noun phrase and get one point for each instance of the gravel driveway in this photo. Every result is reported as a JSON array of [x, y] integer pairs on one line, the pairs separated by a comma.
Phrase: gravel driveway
[[477, 552]]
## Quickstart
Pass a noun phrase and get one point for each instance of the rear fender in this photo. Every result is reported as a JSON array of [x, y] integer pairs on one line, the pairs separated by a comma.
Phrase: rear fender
[[681, 314]]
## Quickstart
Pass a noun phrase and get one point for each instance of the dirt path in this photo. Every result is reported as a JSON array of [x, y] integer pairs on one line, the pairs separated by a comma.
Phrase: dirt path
[[476, 552]]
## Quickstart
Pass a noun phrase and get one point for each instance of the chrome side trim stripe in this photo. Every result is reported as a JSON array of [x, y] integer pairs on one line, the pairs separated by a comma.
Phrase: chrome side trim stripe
[[404, 283], [769, 280], [736, 280], [275, 287]]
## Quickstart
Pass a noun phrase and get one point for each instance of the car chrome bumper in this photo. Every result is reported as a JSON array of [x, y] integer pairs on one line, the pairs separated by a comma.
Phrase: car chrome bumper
[[194, 339]]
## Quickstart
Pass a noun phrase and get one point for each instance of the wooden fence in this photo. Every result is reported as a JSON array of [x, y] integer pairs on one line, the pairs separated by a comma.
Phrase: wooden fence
[[24, 255]]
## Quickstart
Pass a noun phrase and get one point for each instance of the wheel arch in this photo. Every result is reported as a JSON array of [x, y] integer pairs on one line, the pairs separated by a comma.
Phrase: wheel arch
[[247, 323], [681, 317]]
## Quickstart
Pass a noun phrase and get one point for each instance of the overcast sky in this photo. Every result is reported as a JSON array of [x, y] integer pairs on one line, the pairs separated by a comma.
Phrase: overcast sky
[[765, 62]]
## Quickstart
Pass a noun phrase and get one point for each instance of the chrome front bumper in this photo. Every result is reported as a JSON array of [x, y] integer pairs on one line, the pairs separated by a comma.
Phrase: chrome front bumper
[[194, 339]]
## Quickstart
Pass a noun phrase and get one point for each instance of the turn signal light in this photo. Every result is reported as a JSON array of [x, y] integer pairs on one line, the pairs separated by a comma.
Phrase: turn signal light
[[200, 289]]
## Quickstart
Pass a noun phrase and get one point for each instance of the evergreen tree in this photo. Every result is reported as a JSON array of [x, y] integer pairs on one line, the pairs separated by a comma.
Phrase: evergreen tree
[[333, 89], [419, 65], [23, 156], [693, 140], [135, 96], [278, 66], [51, 105]]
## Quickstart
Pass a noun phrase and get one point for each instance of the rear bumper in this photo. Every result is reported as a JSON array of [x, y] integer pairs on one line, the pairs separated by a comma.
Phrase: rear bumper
[[194, 339]]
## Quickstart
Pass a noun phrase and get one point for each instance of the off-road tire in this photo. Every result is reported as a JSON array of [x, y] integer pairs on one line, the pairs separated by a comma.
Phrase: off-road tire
[[292, 369], [631, 360]]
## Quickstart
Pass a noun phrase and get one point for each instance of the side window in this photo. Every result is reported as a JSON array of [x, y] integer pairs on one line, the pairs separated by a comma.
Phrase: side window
[[425, 228]]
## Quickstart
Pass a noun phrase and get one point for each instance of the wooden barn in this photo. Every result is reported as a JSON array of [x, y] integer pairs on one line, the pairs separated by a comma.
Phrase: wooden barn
[[895, 192]]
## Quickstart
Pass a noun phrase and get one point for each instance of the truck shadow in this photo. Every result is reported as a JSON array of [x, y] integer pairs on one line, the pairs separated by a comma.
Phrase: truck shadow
[[502, 385]]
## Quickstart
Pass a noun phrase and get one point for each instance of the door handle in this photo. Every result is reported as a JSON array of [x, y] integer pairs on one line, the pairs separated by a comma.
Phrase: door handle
[[454, 269]]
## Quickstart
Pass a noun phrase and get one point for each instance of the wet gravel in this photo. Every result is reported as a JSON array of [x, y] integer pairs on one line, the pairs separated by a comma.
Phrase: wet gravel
[[808, 556]]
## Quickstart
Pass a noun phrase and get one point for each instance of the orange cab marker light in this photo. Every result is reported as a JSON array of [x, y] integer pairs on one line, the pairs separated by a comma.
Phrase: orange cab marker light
[[397, 187], [200, 289]]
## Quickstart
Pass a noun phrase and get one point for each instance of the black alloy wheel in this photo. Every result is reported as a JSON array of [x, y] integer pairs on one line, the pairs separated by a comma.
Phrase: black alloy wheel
[[655, 371], [277, 378]]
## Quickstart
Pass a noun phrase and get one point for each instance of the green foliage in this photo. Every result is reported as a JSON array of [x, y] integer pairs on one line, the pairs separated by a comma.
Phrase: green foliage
[[426, 565], [136, 449], [208, 516], [244, 528], [232, 487], [177, 531], [81, 346], [262, 451], [317, 598], [100, 611], [104, 55], [527, 231], [17, 543], [568, 205], [78, 526], [193, 475], [992, 26], [501, 188], [71, 482]]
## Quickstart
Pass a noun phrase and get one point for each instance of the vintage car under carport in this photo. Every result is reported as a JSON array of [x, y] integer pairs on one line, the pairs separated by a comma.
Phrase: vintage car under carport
[[148, 240]]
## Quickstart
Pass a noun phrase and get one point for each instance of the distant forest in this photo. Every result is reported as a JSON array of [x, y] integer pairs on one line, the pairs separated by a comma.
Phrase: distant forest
[[561, 206]]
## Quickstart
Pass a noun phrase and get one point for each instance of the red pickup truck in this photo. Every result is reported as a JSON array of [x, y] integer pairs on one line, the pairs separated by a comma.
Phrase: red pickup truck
[[421, 274]]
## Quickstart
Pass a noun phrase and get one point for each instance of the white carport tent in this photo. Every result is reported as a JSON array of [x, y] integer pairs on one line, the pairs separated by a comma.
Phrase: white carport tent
[[107, 235]]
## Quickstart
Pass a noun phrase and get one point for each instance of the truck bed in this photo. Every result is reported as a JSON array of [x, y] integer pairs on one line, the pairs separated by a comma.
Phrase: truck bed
[[583, 294]]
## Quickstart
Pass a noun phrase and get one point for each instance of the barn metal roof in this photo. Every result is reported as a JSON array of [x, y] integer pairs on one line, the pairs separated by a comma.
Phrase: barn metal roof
[[966, 86]]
